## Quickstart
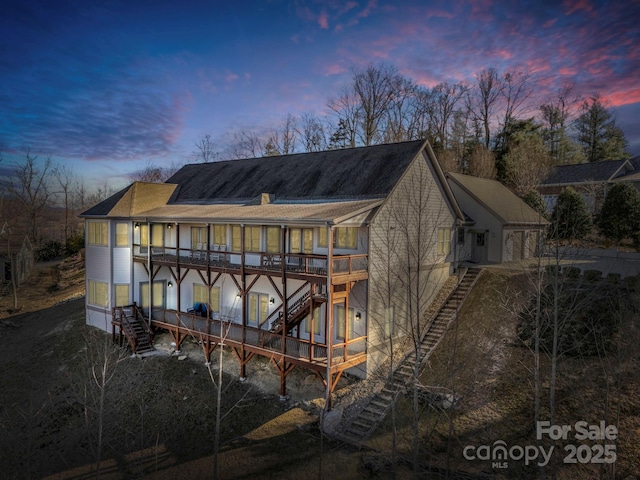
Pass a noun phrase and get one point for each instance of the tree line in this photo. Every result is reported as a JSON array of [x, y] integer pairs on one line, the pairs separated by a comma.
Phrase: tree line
[[496, 126]]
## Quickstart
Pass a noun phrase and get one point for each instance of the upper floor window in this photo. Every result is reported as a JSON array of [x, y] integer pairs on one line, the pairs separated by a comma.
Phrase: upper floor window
[[157, 235], [273, 239], [97, 233], [220, 234], [346, 237], [301, 240], [122, 234], [198, 238], [444, 241], [252, 239], [323, 237]]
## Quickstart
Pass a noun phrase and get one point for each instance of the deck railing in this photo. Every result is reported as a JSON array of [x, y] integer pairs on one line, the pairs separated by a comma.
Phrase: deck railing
[[235, 333], [305, 264]]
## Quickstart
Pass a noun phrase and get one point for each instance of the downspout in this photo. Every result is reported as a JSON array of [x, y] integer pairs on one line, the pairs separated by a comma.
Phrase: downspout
[[150, 292], [329, 315]]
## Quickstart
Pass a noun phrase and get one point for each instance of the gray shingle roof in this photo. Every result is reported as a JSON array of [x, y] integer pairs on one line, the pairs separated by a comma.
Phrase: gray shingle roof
[[498, 199], [364, 172], [587, 172]]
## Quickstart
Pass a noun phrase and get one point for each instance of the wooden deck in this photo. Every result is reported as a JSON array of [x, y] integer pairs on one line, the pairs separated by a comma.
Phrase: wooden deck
[[300, 352], [345, 268]]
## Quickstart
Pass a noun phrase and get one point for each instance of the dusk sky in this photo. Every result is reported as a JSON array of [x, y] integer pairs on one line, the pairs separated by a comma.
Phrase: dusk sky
[[106, 86]]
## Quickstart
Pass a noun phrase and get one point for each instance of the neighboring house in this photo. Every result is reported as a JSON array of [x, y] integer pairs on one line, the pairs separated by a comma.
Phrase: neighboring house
[[504, 227], [591, 180], [286, 257], [17, 257]]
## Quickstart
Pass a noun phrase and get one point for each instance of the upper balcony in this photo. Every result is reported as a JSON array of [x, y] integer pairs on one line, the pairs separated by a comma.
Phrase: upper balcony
[[344, 268]]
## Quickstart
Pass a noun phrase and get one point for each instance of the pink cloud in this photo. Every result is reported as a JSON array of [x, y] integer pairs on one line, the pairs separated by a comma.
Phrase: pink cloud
[[572, 6], [625, 97], [231, 77], [333, 69], [568, 71], [323, 20]]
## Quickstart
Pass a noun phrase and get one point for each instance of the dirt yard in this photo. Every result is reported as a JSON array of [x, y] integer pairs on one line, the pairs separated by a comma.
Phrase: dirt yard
[[158, 413]]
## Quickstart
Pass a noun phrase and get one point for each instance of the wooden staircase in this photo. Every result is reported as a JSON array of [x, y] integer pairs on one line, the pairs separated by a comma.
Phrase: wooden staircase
[[296, 312], [364, 424], [135, 328]]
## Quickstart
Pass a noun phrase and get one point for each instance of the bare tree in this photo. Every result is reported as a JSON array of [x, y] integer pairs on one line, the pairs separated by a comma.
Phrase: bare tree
[[485, 97], [30, 186], [375, 89], [446, 97], [481, 162], [555, 116], [347, 109], [151, 173], [66, 181], [245, 145], [516, 90], [312, 133], [527, 163], [205, 150]]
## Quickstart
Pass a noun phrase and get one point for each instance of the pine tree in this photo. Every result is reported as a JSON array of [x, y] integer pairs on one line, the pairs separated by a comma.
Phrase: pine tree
[[620, 214], [570, 219]]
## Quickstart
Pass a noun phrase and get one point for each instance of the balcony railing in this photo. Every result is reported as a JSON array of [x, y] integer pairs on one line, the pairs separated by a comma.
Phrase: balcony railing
[[236, 333], [305, 264]]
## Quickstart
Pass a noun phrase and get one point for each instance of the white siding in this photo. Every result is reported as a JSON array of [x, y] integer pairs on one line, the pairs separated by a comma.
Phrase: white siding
[[122, 265]]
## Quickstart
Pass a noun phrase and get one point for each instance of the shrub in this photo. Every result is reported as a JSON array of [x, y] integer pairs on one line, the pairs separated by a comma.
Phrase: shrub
[[49, 251], [74, 244], [570, 219], [588, 317], [620, 214]]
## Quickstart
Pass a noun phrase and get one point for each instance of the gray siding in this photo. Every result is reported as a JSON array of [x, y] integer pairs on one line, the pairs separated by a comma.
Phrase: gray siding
[[403, 236]]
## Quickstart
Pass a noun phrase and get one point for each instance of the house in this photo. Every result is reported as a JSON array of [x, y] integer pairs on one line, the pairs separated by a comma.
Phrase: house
[[591, 180], [503, 227], [17, 258], [286, 257]]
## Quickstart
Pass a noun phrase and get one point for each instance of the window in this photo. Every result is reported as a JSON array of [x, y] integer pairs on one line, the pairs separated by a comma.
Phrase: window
[[301, 240], [122, 295], [236, 241], [98, 293], [317, 322], [97, 233], [200, 295], [157, 236], [340, 323], [273, 239], [444, 241], [252, 239], [122, 234], [460, 235], [157, 294], [220, 234], [346, 237], [389, 321], [258, 308], [198, 238], [323, 237]]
